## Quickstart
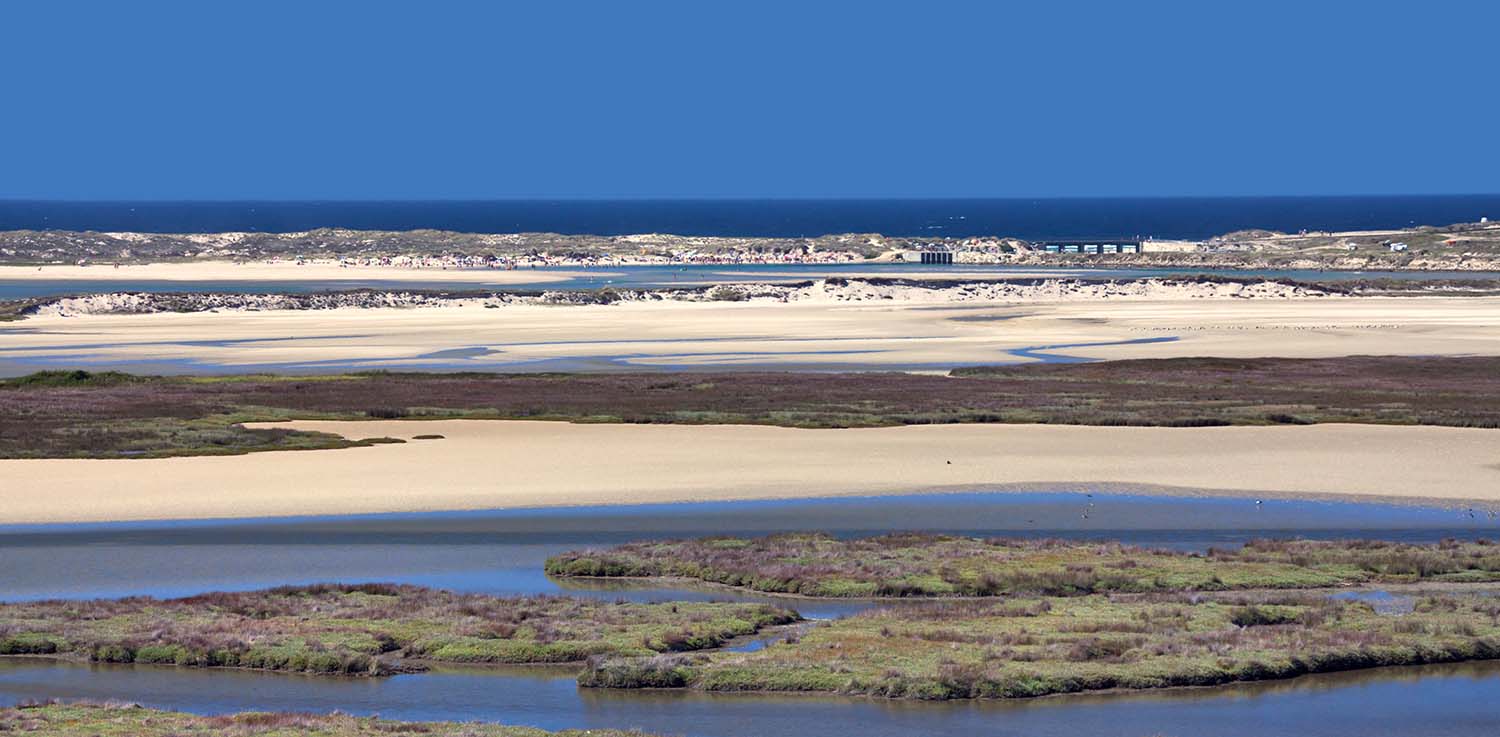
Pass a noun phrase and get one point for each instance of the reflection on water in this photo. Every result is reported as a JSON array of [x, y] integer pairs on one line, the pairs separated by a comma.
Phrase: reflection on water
[[1383, 602], [1436, 701]]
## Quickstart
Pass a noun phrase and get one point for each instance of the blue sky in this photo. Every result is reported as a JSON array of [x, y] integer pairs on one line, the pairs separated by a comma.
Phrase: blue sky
[[434, 100]]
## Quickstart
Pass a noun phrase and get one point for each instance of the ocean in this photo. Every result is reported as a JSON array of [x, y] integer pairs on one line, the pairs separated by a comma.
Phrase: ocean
[[1034, 219]]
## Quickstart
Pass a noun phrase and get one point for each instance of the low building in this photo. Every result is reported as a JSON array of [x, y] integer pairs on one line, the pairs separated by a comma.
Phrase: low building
[[1170, 246], [927, 257], [1092, 248]]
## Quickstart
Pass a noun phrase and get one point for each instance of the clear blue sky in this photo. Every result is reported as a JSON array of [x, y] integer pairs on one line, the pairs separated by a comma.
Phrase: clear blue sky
[[434, 100]]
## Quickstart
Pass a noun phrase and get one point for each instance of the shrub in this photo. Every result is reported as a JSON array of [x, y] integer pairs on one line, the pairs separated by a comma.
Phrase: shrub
[[29, 643], [661, 671], [726, 293], [1255, 616], [387, 413]]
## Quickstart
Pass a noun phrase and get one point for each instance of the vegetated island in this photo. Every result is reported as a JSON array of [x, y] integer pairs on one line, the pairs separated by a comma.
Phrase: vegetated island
[[87, 719], [1048, 617], [78, 414], [929, 565], [1462, 246], [1037, 646], [1060, 617], [367, 629]]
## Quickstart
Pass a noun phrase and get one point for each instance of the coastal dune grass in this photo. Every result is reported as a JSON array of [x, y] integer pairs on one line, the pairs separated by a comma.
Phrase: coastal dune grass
[[928, 565], [1037, 646], [127, 720], [367, 629]]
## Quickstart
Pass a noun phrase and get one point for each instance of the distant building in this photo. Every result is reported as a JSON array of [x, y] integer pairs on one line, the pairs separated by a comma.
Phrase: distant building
[[1171, 246], [1398, 247], [1092, 248], [927, 257]]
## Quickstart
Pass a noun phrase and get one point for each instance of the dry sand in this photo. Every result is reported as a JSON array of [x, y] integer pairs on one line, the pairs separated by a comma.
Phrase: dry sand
[[279, 271], [904, 335], [493, 464]]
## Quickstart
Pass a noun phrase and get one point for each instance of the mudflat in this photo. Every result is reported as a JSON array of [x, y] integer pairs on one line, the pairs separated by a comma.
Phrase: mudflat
[[811, 334]]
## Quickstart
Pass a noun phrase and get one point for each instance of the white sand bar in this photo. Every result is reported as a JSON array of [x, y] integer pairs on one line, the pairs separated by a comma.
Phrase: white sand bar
[[484, 464], [717, 335]]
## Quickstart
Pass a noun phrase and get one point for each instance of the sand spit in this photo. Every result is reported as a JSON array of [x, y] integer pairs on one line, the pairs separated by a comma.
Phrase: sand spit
[[820, 291], [818, 332], [483, 464]]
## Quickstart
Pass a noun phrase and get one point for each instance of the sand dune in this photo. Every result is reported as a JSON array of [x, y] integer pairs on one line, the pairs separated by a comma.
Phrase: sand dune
[[493, 464], [276, 271]]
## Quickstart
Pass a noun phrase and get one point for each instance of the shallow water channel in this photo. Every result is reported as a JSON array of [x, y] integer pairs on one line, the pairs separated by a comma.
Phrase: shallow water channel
[[501, 552], [682, 275]]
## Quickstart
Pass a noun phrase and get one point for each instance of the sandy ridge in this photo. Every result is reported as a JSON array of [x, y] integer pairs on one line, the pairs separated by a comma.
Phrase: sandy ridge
[[484, 464]]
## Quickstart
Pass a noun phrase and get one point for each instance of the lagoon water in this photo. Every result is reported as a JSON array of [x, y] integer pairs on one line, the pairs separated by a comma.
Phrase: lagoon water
[[501, 552], [1432, 701], [644, 277]]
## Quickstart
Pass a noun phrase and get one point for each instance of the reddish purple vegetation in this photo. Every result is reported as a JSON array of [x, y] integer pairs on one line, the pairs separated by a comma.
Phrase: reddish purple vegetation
[[362, 629], [89, 414], [911, 564]]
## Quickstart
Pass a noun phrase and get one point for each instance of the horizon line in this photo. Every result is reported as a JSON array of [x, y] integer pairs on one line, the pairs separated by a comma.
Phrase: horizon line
[[736, 198]]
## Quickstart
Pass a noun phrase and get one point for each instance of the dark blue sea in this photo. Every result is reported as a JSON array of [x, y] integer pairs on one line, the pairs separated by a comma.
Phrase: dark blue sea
[[1035, 219]]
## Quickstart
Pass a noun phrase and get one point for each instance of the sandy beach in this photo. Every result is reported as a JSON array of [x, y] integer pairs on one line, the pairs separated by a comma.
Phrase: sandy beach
[[276, 271], [808, 334], [483, 464]]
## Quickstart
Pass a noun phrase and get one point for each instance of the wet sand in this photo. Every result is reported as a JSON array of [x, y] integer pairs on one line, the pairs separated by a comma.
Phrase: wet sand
[[812, 334], [483, 464]]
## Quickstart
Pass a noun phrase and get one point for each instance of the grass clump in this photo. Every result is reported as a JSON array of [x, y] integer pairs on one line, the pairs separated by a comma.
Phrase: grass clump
[[73, 379]]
